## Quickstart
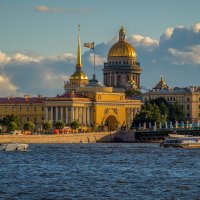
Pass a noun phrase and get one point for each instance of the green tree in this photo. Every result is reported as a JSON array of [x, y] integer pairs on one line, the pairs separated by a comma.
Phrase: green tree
[[176, 113], [28, 126], [149, 113], [12, 126], [47, 126], [59, 124], [159, 110], [74, 125], [11, 118]]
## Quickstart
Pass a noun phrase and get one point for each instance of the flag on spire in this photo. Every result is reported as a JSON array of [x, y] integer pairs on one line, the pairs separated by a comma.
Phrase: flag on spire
[[89, 45]]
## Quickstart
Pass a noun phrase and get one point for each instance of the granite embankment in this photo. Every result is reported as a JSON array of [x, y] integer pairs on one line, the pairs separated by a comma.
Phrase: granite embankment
[[93, 137]]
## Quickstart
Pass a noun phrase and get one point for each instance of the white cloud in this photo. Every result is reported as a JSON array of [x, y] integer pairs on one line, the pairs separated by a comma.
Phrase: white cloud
[[7, 87], [66, 56], [98, 59], [186, 57], [168, 33], [18, 57], [196, 27], [42, 8], [4, 58], [139, 40]]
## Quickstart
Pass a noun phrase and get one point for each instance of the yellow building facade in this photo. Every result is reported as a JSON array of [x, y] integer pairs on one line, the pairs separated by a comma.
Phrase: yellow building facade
[[26, 108]]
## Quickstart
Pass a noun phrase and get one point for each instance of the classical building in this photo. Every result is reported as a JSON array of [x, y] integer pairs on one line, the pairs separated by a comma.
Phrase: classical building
[[26, 108], [122, 67], [188, 98], [92, 104]]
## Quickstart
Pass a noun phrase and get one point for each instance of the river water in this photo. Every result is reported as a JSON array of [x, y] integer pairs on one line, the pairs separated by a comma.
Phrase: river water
[[100, 171]]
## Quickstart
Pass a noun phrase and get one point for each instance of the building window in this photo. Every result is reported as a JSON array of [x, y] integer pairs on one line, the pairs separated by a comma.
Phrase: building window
[[42, 118], [188, 99], [199, 98], [27, 108], [35, 108], [188, 115], [199, 114], [35, 120], [188, 107], [182, 106], [199, 106], [20, 108], [27, 119], [42, 108]]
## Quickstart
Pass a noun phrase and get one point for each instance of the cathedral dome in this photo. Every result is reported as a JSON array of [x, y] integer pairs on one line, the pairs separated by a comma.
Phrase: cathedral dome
[[122, 48]]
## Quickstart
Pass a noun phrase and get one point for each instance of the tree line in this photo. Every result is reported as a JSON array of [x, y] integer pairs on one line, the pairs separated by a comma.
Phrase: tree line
[[11, 123], [159, 111]]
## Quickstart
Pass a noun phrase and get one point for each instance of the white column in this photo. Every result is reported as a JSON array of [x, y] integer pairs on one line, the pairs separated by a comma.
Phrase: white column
[[52, 114], [47, 114], [72, 114], [61, 113], [88, 116], [84, 116], [80, 115], [56, 113], [76, 113], [66, 119]]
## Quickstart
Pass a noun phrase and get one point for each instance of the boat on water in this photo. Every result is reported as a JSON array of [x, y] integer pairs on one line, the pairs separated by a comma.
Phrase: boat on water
[[187, 142], [175, 135], [13, 147]]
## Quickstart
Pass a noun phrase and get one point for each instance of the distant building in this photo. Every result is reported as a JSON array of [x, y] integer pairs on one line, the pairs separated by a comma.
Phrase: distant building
[[26, 108], [122, 68], [188, 98]]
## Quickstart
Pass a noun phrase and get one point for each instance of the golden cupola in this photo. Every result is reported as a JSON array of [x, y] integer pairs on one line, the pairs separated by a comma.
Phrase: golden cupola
[[122, 48]]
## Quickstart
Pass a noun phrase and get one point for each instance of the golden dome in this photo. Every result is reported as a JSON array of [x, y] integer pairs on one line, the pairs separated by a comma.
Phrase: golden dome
[[122, 48], [78, 76]]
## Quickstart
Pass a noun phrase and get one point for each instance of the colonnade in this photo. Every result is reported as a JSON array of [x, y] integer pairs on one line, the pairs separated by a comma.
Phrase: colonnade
[[115, 80], [69, 114]]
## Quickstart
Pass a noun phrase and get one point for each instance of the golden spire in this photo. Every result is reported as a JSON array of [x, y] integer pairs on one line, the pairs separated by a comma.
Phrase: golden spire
[[78, 62]]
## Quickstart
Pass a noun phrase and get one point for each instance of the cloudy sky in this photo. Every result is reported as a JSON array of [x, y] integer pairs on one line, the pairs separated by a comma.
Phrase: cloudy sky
[[38, 41]]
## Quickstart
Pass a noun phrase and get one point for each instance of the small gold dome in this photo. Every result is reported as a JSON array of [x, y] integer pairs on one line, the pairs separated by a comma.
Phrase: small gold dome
[[78, 76], [122, 48]]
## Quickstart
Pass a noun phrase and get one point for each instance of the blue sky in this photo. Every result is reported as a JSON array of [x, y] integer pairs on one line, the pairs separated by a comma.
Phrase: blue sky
[[40, 37]]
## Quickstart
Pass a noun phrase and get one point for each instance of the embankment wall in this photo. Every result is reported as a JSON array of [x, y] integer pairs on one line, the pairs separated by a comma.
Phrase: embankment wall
[[61, 138]]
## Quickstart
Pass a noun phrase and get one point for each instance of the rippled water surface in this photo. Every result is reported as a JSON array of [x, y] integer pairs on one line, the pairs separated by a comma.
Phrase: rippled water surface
[[100, 171]]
